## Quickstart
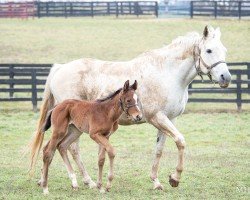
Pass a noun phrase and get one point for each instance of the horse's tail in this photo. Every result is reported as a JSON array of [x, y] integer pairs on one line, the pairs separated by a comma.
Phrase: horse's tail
[[47, 124], [47, 105]]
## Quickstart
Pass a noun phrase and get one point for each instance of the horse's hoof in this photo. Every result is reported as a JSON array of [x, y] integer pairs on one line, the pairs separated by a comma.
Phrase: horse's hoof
[[173, 182], [45, 191], [158, 187], [92, 184], [102, 191], [75, 188]]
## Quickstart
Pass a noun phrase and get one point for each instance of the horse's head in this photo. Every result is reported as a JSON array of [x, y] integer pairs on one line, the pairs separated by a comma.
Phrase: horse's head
[[129, 101], [211, 57]]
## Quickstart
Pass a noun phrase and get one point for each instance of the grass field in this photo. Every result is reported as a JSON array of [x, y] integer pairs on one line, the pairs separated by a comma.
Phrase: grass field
[[60, 40], [217, 153], [216, 167]]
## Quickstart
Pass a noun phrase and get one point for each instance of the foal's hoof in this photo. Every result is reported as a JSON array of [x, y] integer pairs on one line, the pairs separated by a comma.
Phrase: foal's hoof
[[39, 183], [173, 182]]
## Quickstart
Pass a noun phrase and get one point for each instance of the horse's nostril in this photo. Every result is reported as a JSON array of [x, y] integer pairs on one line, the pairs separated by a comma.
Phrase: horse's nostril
[[222, 77]]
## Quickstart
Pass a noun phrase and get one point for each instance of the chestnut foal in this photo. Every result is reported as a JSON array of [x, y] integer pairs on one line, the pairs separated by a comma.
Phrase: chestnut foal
[[98, 118]]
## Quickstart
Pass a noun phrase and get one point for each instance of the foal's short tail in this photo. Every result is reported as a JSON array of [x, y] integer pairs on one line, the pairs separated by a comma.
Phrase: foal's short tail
[[37, 140]]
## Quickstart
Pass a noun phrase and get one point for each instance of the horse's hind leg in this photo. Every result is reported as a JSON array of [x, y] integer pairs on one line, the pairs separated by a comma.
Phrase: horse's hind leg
[[75, 152], [161, 139], [48, 153], [71, 136]]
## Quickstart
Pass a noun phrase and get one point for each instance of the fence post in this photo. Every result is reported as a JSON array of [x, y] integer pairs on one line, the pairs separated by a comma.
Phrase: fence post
[[11, 75], [116, 9], [38, 9], [47, 9], [238, 86], [248, 74], [215, 9], [136, 9], [65, 9], [156, 9], [129, 7], [121, 8], [92, 9], [190, 87], [71, 9], [34, 90], [239, 9], [108, 8], [191, 9]]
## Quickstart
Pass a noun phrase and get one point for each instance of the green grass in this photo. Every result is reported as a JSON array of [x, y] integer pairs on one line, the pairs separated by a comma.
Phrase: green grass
[[216, 164], [59, 40]]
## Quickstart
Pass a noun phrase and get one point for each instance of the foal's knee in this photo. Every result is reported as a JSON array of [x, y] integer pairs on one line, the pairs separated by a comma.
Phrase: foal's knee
[[61, 148], [101, 161], [111, 152]]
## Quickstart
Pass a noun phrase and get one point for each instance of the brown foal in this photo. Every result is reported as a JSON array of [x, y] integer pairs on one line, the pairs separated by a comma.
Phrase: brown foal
[[98, 118]]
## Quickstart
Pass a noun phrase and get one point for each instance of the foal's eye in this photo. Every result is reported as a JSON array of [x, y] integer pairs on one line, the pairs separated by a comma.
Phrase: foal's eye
[[209, 51], [128, 101]]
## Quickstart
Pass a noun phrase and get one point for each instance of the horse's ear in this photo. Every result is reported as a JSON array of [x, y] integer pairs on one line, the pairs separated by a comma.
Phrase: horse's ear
[[208, 31], [134, 86], [126, 86], [205, 32], [217, 33]]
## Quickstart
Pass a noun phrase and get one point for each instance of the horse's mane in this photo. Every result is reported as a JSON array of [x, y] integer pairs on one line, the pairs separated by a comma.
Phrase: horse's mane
[[177, 47], [110, 96]]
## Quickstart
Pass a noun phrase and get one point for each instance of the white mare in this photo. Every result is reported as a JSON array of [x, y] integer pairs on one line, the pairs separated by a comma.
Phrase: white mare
[[162, 74]]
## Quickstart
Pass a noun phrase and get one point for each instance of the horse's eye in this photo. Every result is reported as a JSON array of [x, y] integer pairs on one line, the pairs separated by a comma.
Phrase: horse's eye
[[209, 51], [128, 101]]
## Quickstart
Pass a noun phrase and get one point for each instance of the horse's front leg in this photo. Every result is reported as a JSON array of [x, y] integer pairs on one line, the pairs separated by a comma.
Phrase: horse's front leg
[[75, 152], [163, 124], [161, 139]]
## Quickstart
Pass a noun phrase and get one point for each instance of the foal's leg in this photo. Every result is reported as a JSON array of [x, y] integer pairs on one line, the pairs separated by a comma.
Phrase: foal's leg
[[102, 140], [48, 153], [101, 161], [161, 139], [63, 146], [75, 152], [162, 123]]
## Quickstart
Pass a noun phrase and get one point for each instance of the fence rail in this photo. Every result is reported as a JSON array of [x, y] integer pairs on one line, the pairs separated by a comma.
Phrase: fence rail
[[73, 9], [25, 82], [220, 8], [17, 9]]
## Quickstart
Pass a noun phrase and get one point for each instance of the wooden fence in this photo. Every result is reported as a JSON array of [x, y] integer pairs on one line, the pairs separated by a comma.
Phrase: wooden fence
[[25, 82], [17, 9], [73, 9], [220, 8]]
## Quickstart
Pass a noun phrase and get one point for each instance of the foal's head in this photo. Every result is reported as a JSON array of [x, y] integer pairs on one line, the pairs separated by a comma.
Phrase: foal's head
[[129, 101]]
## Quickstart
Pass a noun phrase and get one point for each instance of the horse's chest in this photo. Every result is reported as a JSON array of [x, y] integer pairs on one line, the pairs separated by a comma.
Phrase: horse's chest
[[176, 104]]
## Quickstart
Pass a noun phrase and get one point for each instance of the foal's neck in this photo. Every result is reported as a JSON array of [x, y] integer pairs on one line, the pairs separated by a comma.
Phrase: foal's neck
[[114, 107]]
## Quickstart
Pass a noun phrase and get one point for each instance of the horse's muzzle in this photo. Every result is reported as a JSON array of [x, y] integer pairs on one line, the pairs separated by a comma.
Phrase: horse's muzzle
[[224, 80]]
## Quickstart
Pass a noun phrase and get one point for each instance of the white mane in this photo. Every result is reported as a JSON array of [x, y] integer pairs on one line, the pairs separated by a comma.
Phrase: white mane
[[179, 48]]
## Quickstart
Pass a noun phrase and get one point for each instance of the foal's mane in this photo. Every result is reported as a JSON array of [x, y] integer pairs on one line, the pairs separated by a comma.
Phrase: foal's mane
[[110, 96]]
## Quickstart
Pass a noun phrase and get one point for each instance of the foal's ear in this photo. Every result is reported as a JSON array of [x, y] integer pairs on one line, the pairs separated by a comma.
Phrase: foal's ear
[[134, 86], [126, 86]]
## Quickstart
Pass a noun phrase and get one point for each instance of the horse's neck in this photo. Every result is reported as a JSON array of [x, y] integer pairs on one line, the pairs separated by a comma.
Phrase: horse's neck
[[178, 62]]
